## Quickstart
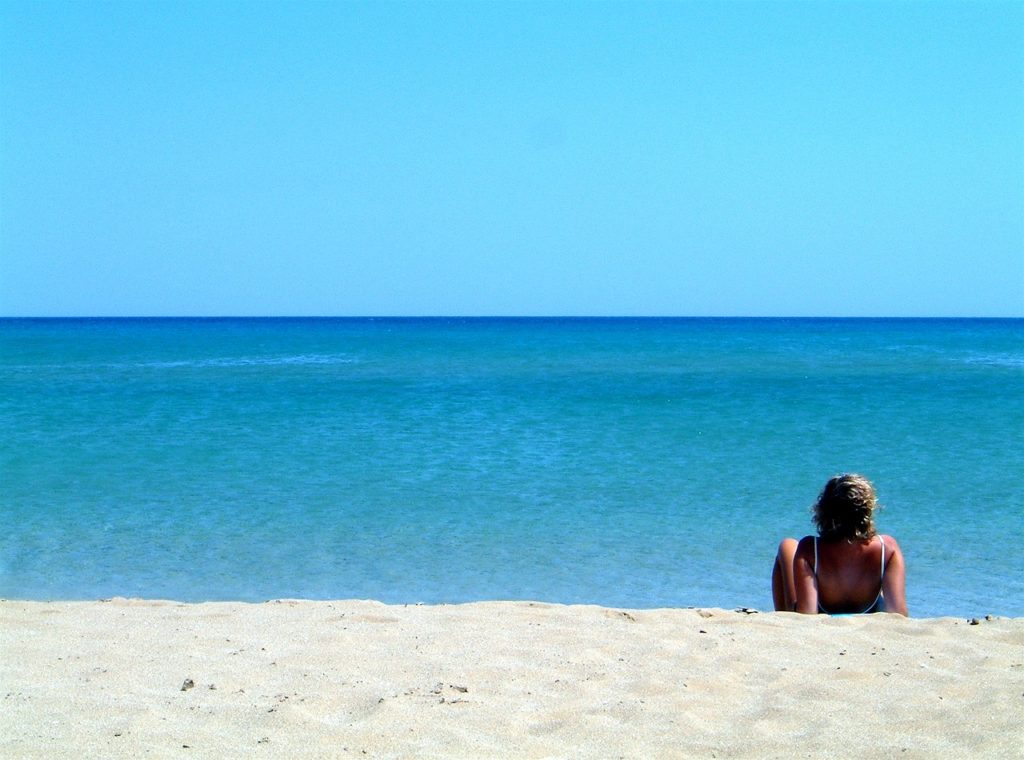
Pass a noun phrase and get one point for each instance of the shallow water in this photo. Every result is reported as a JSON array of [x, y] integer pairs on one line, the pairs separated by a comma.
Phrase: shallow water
[[624, 462]]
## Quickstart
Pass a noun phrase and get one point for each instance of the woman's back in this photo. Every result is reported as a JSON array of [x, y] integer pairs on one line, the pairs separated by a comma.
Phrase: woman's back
[[848, 575], [848, 567]]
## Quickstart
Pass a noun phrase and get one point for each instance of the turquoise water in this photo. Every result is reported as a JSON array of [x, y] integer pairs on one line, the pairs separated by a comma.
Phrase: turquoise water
[[634, 463]]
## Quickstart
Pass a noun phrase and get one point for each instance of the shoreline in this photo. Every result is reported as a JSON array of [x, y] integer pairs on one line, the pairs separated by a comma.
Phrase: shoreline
[[124, 677], [142, 601]]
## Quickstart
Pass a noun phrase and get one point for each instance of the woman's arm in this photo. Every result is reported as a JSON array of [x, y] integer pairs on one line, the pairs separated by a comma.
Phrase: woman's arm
[[894, 582], [803, 575]]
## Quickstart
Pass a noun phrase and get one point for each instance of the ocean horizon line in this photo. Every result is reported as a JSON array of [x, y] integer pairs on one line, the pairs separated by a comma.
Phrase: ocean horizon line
[[498, 318]]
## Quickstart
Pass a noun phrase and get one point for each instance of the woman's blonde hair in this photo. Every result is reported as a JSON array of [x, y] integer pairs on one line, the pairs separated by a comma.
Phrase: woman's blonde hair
[[845, 509]]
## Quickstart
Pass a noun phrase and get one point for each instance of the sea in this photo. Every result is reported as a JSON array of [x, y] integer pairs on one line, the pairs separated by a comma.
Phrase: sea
[[631, 463]]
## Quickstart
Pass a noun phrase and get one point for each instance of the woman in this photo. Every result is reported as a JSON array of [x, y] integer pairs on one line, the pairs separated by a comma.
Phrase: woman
[[848, 567]]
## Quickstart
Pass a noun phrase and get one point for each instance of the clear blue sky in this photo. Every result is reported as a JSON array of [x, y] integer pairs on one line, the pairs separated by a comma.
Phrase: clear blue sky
[[491, 158]]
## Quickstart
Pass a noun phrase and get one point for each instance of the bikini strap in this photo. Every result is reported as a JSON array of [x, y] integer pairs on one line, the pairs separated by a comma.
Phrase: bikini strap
[[882, 576], [815, 556]]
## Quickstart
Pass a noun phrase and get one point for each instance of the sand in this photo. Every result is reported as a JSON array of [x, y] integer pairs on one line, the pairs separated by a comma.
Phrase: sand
[[131, 678]]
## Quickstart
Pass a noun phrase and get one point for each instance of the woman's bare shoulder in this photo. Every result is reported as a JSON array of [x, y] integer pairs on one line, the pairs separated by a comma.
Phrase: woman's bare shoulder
[[805, 546], [892, 546]]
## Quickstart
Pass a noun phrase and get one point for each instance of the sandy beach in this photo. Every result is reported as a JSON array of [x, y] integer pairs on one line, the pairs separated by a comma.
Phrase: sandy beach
[[130, 678]]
